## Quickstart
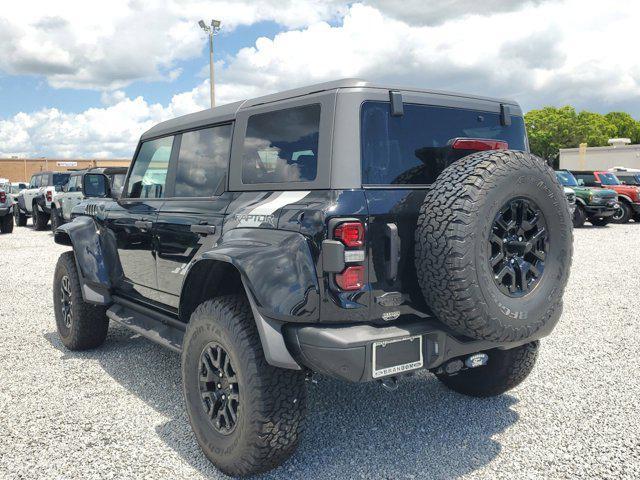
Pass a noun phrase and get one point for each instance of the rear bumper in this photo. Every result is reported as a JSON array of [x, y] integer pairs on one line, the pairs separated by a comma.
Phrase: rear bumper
[[346, 351], [5, 211]]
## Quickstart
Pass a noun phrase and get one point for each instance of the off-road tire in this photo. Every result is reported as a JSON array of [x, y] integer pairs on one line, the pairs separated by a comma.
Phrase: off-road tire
[[19, 217], [272, 401], [504, 370], [6, 224], [579, 216], [40, 219], [56, 221], [600, 222], [452, 247], [623, 215], [89, 323]]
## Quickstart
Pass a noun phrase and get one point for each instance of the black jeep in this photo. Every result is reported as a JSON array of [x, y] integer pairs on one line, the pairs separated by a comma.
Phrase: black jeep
[[349, 229]]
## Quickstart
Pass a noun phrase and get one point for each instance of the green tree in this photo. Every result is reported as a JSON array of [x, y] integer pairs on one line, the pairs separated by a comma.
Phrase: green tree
[[626, 126], [550, 129], [594, 129]]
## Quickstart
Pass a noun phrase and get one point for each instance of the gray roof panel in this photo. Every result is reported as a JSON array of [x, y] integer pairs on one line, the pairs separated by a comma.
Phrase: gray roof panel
[[228, 112]]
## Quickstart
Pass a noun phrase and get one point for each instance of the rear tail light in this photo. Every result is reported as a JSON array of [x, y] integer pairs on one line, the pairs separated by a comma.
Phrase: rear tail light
[[49, 196], [478, 144], [350, 233], [352, 278], [3, 197]]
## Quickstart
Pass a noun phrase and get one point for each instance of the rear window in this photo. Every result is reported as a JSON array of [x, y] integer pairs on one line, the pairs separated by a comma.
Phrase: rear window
[[282, 146], [415, 147], [60, 179], [203, 161]]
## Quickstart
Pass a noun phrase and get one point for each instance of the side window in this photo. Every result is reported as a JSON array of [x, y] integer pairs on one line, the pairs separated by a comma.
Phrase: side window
[[203, 161], [587, 179], [282, 146], [34, 181], [149, 172]]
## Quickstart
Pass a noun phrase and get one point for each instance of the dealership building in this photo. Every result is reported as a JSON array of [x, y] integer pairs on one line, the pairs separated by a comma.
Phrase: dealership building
[[21, 169], [619, 153]]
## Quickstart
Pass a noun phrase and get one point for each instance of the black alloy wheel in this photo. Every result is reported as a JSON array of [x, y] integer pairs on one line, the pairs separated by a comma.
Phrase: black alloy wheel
[[66, 301], [518, 247], [219, 388]]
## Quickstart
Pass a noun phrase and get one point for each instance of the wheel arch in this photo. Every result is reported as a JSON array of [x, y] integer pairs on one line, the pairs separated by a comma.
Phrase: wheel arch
[[220, 275]]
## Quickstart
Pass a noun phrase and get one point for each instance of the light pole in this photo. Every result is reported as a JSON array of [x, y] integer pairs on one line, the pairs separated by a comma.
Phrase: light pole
[[211, 30]]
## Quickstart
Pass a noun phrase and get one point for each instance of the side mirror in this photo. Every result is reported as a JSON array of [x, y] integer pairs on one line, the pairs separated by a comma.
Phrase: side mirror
[[95, 185]]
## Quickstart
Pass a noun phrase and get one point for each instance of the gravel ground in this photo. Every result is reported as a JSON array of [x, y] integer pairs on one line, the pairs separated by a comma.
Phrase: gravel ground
[[117, 412]]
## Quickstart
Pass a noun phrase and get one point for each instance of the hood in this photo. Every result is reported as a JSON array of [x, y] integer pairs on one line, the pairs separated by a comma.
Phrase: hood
[[628, 190]]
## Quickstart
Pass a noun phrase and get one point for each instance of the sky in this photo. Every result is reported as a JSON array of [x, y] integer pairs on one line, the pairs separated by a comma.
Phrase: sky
[[84, 79]]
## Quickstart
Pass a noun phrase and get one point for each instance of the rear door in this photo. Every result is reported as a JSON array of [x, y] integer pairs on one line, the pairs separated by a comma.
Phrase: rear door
[[401, 156], [31, 192], [131, 219], [193, 212]]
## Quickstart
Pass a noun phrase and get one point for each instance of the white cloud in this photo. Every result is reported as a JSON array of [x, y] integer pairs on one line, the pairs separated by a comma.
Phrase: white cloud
[[108, 45], [536, 52]]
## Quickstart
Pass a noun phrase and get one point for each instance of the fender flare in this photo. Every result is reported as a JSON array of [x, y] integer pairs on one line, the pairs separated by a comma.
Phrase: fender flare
[[580, 201], [95, 272], [624, 198], [278, 274]]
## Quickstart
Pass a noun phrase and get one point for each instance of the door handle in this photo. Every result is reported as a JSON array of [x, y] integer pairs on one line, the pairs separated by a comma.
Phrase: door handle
[[203, 229], [143, 224], [391, 231]]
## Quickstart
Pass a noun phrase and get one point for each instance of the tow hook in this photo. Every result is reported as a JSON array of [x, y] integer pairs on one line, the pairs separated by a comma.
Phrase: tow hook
[[390, 383]]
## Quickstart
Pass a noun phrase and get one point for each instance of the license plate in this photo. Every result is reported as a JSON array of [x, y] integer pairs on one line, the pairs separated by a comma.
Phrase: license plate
[[396, 356]]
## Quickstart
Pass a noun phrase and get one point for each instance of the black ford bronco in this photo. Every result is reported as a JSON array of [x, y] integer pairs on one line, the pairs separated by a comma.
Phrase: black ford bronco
[[349, 229]]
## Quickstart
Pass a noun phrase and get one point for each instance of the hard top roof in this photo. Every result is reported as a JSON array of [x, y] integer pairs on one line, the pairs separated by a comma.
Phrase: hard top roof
[[225, 113]]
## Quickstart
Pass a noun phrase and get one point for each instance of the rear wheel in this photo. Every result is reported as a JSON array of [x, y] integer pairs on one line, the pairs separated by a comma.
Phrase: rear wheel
[[579, 216], [40, 219], [80, 325], [6, 224], [504, 370], [55, 219], [494, 245], [622, 213], [247, 415], [19, 217]]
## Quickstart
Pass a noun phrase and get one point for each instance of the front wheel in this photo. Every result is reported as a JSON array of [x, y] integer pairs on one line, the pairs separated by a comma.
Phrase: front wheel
[[579, 216], [80, 325], [246, 414], [600, 222], [622, 213], [504, 370]]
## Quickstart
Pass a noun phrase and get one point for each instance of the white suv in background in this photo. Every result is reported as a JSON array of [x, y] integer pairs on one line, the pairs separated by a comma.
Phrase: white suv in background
[[35, 201]]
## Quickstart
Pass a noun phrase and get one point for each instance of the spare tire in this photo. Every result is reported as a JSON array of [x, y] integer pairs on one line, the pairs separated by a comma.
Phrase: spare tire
[[493, 246]]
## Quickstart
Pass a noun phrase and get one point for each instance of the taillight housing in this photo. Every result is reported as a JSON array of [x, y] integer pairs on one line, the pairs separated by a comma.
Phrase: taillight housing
[[3, 197], [479, 144], [350, 233], [49, 195], [352, 278]]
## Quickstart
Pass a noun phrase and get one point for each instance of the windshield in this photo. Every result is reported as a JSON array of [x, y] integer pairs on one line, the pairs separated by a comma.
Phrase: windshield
[[567, 179], [608, 179], [415, 147]]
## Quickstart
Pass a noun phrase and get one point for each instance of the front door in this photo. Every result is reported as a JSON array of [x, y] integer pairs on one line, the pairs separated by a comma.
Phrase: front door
[[132, 219], [193, 214]]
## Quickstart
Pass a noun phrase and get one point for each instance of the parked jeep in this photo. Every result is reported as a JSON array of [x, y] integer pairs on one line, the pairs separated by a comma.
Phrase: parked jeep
[[628, 195], [6, 211], [35, 201], [597, 205], [72, 193], [350, 229]]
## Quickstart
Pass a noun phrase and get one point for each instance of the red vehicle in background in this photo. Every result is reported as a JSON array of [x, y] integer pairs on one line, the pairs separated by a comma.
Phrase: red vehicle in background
[[628, 195]]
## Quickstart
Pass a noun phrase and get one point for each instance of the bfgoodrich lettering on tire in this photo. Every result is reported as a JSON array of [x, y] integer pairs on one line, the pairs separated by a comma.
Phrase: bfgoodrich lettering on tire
[[247, 415], [494, 246]]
